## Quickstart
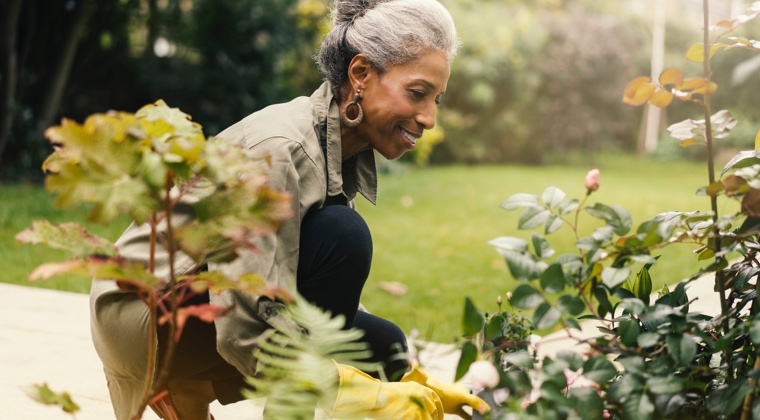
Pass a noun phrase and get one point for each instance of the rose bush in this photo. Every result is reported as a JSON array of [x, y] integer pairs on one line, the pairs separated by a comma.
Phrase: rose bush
[[655, 358]]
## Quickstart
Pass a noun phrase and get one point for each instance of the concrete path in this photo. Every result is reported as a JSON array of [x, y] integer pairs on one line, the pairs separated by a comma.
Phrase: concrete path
[[45, 338]]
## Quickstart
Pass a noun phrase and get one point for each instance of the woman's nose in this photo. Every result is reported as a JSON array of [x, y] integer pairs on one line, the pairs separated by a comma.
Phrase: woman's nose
[[427, 117]]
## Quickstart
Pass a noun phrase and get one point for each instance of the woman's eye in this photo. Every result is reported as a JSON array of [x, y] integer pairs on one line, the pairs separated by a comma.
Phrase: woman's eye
[[418, 94]]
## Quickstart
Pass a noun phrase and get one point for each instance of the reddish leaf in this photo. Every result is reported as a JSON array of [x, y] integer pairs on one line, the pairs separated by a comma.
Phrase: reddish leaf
[[206, 312], [751, 202]]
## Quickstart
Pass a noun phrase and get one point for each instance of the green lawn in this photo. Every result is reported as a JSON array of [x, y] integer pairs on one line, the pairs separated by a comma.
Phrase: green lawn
[[430, 230]]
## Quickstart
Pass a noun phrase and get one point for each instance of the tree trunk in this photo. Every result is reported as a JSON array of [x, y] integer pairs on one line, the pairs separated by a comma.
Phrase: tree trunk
[[57, 86], [11, 11]]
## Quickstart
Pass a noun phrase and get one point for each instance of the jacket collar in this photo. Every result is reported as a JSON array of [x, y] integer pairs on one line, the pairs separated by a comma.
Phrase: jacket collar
[[358, 174]]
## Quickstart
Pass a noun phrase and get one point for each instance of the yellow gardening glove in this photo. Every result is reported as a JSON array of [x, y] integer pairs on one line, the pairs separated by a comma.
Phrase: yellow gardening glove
[[361, 396], [453, 396]]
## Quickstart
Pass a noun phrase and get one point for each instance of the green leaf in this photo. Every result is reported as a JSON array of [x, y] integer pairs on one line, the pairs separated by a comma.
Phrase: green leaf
[[614, 277], [568, 206], [648, 339], [469, 356], [71, 237], [533, 217], [572, 305], [553, 279], [546, 316], [495, 327], [587, 403], [665, 384], [526, 297], [681, 348], [553, 197], [573, 360], [642, 287], [728, 398], [472, 321], [541, 246], [599, 369], [520, 359], [520, 200], [509, 243], [629, 332], [696, 52], [518, 381], [754, 332], [553, 223], [43, 394], [627, 385], [616, 217], [743, 159], [633, 306], [638, 406], [523, 266]]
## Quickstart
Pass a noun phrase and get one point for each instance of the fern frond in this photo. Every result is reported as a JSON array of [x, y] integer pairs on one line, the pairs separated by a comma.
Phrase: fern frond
[[296, 370]]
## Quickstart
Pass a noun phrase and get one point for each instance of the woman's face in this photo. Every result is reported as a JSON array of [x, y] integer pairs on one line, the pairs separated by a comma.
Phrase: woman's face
[[400, 104]]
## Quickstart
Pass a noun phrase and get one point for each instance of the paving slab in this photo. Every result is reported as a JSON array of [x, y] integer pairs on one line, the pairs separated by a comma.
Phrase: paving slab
[[45, 338]]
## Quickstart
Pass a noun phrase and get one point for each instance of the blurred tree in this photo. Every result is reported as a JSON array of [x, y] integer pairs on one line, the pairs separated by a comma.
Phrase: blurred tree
[[218, 60]]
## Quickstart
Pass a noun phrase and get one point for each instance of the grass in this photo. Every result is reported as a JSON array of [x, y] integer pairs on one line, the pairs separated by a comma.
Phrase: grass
[[430, 231]]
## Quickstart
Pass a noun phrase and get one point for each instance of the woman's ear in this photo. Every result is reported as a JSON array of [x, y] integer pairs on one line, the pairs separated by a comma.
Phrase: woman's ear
[[358, 69]]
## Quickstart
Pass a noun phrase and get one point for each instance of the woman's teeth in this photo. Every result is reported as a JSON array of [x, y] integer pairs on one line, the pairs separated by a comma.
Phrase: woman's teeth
[[409, 137]]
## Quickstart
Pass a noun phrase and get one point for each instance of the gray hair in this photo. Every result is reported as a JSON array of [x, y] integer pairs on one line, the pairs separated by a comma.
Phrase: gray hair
[[388, 32]]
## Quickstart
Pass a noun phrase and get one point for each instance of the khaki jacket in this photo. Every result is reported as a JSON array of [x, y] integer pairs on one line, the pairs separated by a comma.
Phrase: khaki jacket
[[294, 135]]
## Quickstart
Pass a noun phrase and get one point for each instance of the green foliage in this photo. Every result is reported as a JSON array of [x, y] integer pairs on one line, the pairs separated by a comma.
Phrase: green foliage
[[43, 394], [671, 362], [297, 364], [151, 166]]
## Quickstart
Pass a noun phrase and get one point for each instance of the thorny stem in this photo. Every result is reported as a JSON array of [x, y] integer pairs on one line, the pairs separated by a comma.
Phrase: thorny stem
[[711, 176]]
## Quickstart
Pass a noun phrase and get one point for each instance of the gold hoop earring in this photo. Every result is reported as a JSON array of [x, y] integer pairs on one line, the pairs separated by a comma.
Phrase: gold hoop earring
[[348, 122]]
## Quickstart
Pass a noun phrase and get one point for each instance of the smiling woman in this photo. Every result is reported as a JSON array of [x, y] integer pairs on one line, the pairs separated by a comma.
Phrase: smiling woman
[[386, 65]]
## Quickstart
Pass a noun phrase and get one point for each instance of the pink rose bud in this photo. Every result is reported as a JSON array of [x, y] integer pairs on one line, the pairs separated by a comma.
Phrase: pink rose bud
[[592, 180], [483, 374]]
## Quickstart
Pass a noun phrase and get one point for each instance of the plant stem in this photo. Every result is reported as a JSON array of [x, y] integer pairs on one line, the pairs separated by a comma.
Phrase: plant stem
[[711, 176]]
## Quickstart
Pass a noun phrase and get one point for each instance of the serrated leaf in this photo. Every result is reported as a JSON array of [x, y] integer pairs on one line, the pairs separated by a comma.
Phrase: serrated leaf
[[553, 223], [525, 297], [696, 53], [568, 206], [71, 237], [572, 305], [629, 332], [523, 266], [546, 316], [615, 216], [665, 384], [520, 200], [509, 243], [553, 197], [599, 369], [541, 246], [43, 394], [495, 327], [681, 348], [553, 279], [520, 358], [614, 277], [533, 217]]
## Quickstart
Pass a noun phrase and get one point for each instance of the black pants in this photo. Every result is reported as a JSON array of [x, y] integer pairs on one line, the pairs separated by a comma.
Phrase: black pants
[[334, 261]]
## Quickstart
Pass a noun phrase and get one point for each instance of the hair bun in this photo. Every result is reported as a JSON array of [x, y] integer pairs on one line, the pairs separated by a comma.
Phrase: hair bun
[[346, 11]]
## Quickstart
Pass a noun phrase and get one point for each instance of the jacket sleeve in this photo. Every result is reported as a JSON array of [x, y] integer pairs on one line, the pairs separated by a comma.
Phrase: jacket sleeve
[[294, 172]]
